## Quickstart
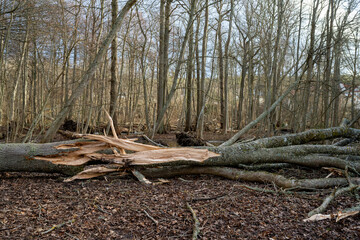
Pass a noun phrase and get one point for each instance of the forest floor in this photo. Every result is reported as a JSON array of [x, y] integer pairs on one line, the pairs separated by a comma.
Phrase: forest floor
[[42, 206], [31, 204]]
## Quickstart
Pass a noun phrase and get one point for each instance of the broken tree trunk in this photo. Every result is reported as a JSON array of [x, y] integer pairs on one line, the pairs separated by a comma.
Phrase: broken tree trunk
[[19, 157], [153, 161]]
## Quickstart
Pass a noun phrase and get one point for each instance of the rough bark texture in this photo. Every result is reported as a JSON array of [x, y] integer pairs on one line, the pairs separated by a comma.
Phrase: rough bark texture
[[284, 149], [236, 174], [19, 158]]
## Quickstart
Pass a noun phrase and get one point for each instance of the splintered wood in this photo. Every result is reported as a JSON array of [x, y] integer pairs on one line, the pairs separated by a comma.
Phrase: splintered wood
[[81, 153]]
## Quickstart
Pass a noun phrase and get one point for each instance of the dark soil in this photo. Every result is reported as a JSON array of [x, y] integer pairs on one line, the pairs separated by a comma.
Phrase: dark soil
[[31, 204]]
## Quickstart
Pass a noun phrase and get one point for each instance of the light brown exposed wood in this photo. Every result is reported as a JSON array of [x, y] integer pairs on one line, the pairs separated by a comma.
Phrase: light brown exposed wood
[[82, 152], [122, 143], [166, 155], [91, 173], [77, 157]]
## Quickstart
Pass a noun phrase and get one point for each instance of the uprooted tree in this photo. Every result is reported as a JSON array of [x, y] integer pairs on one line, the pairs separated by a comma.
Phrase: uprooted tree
[[96, 155]]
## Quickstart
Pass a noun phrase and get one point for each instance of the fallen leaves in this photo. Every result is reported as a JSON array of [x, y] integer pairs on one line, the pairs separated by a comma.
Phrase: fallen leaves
[[240, 212]]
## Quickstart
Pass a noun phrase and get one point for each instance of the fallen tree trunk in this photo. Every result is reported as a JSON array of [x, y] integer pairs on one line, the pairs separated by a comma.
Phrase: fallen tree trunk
[[71, 157], [20, 158]]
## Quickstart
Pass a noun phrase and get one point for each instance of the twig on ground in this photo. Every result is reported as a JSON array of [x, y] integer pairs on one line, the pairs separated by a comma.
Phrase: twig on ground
[[339, 215], [149, 216], [153, 142], [344, 142], [40, 208], [286, 191], [248, 140], [140, 176], [69, 134], [348, 177], [331, 197], [208, 198], [72, 236], [257, 189], [102, 210], [58, 226], [209, 144], [196, 227], [352, 209], [9, 228], [184, 180]]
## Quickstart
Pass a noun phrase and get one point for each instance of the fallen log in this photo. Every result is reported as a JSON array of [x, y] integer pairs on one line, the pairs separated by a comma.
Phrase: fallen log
[[19, 157], [72, 157], [251, 176]]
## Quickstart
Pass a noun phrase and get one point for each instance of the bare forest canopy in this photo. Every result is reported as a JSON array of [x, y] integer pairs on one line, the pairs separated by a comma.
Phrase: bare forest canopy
[[160, 65]]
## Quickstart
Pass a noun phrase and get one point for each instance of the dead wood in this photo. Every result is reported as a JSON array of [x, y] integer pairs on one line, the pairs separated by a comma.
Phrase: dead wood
[[70, 134], [140, 176], [196, 228], [19, 157], [251, 176], [313, 135], [121, 155], [331, 197]]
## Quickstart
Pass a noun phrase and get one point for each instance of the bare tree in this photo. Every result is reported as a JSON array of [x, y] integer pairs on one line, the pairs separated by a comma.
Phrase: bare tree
[[85, 78], [113, 80]]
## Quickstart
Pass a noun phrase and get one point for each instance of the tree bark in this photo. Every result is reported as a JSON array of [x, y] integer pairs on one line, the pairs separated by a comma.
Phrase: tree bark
[[310, 65], [113, 70], [161, 114], [279, 149], [189, 80], [87, 75], [18, 157], [328, 60], [237, 174], [200, 117], [223, 112]]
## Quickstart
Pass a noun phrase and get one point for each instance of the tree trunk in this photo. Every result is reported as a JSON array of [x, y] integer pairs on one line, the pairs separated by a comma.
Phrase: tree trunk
[[200, 117], [279, 149], [165, 11], [226, 70], [17, 157], [189, 80], [221, 73], [87, 75], [161, 115], [328, 60], [113, 70], [310, 65]]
